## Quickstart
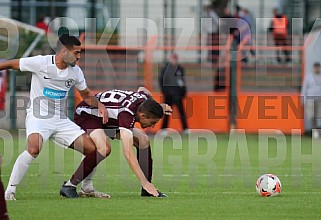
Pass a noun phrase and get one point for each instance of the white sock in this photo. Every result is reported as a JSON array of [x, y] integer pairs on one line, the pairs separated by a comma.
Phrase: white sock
[[70, 184], [87, 184], [19, 170]]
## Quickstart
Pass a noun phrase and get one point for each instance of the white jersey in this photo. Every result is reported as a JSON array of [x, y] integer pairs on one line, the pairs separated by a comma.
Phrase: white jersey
[[50, 85]]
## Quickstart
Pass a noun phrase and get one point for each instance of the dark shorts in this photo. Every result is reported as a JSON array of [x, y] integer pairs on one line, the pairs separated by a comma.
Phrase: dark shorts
[[90, 122]]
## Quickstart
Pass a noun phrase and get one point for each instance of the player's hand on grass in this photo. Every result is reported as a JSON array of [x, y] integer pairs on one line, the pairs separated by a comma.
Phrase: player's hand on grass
[[102, 112], [167, 109], [150, 188]]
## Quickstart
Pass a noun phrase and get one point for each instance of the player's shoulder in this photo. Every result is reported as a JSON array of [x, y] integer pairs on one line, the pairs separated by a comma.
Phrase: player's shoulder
[[76, 69], [126, 118], [37, 62], [42, 58], [144, 94]]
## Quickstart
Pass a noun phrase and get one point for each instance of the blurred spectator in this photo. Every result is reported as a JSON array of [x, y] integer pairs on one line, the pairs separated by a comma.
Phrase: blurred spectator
[[43, 23], [245, 25], [279, 27], [311, 95], [226, 28], [212, 29], [3, 88], [1, 80], [43, 46], [226, 23], [172, 85], [237, 11]]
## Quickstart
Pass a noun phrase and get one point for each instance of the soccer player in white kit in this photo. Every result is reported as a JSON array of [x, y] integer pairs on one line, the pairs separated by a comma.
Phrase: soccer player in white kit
[[52, 78]]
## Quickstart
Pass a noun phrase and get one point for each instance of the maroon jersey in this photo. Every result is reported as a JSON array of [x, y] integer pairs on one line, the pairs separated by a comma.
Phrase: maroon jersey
[[121, 106]]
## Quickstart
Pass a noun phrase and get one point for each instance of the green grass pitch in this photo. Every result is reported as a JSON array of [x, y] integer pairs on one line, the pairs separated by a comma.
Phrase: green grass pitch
[[205, 176]]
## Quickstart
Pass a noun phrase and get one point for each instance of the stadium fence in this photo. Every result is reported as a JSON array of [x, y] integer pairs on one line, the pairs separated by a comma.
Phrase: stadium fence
[[266, 93]]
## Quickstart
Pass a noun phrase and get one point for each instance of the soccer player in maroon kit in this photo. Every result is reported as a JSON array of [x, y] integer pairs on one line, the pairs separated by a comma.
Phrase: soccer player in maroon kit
[[124, 109], [3, 207]]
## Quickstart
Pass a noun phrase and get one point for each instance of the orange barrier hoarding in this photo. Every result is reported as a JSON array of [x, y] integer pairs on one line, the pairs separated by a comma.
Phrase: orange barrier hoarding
[[203, 110], [269, 111]]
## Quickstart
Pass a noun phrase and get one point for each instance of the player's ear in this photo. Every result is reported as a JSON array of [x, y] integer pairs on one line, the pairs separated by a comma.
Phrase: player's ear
[[64, 50], [141, 115]]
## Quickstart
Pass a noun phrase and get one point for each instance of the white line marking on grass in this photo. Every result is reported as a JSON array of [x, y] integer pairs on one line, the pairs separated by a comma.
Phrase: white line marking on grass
[[239, 175], [182, 175], [185, 193]]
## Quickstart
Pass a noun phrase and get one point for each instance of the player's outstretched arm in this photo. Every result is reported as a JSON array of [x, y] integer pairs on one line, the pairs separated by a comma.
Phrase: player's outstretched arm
[[91, 100], [127, 142], [10, 64]]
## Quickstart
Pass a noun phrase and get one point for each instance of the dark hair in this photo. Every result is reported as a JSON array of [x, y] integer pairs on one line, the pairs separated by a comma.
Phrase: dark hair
[[67, 41], [316, 64], [151, 108]]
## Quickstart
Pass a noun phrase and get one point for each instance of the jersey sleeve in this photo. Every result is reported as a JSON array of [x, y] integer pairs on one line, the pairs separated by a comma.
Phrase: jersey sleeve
[[81, 82], [126, 120], [144, 94], [31, 64]]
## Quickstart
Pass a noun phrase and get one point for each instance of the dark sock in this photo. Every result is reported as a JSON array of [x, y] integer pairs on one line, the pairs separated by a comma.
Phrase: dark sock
[[144, 157], [86, 166], [3, 207]]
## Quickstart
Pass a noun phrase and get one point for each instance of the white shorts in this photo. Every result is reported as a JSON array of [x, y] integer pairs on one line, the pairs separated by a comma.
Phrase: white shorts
[[61, 131]]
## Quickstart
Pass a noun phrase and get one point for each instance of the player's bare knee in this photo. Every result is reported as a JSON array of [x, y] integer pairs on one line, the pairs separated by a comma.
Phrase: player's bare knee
[[34, 144], [86, 148], [34, 150], [108, 150], [104, 150], [144, 142], [85, 144]]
